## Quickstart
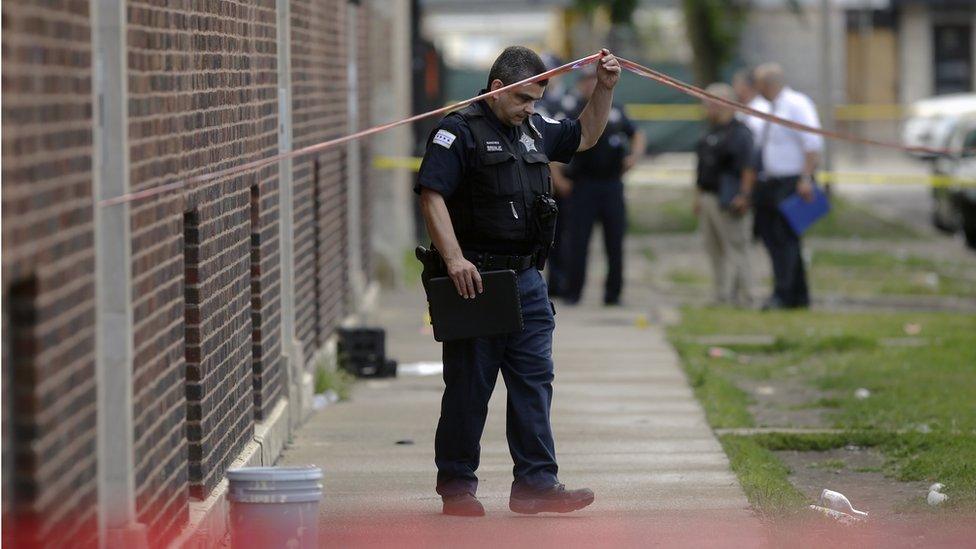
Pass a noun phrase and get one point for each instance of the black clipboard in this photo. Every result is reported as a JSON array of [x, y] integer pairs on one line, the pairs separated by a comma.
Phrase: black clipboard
[[497, 311]]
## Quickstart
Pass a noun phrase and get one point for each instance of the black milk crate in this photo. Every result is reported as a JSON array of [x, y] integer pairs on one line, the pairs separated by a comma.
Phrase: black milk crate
[[362, 351]]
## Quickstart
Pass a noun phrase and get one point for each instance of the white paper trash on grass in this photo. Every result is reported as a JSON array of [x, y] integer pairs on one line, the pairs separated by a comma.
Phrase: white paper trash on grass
[[836, 505], [936, 497]]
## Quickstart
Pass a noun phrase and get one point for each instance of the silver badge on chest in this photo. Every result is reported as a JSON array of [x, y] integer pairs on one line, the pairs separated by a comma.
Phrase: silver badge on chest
[[528, 142]]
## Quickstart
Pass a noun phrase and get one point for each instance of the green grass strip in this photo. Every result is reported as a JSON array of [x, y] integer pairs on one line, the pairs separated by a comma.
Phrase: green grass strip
[[764, 478]]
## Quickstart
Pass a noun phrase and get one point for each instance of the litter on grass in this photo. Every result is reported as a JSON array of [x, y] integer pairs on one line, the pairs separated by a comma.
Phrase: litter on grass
[[836, 506], [720, 352], [913, 328], [936, 498]]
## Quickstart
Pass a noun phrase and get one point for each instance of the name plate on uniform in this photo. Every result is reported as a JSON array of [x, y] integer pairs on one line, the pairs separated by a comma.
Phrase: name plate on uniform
[[496, 311]]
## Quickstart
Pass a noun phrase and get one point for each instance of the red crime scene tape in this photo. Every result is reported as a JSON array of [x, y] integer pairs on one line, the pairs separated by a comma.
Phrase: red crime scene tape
[[631, 66]]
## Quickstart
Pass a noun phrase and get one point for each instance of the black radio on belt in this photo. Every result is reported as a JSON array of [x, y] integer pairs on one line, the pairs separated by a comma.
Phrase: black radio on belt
[[545, 218]]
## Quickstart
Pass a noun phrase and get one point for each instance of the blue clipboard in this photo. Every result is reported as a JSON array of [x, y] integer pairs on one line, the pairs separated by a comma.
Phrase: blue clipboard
[[801, 214]]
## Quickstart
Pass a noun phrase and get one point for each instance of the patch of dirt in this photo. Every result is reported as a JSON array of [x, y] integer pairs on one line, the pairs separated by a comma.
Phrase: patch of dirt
[[856, 473], [781, 402]]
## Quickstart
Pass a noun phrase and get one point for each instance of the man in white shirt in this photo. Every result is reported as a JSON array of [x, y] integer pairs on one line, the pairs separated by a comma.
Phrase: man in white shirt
[[787, 160], [744, 84]]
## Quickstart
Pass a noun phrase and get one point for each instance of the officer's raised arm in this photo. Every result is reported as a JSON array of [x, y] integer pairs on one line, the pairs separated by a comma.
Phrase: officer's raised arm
[[593, 119]]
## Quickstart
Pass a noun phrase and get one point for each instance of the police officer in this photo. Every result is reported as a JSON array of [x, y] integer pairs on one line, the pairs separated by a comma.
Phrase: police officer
[[598, 194], [484, 168]]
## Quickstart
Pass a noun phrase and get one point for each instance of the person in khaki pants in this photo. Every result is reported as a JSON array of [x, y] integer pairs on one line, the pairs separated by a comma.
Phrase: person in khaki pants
[[722, 198]]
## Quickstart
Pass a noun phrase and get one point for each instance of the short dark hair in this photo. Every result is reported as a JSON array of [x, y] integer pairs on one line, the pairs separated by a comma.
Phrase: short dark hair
[[516, 63]]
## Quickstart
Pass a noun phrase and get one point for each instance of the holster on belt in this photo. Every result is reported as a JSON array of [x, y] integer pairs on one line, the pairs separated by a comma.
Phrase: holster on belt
[[545, 210], [432, 262]]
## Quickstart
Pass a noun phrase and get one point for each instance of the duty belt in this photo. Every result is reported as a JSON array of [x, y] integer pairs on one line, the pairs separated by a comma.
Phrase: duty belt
[[493, 262]]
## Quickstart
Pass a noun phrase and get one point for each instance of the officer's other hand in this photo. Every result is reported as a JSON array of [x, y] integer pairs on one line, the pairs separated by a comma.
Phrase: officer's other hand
[[805, 189], [608, 69], [465, 276]]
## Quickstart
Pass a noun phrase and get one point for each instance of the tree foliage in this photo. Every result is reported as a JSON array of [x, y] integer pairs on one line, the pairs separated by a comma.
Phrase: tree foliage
[[621, 11], [713, 28]]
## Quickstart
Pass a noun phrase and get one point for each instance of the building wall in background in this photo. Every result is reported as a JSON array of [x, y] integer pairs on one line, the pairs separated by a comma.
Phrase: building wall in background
[[777, 34], [365, 35], [319, 103], [917, 52], [202, 98]]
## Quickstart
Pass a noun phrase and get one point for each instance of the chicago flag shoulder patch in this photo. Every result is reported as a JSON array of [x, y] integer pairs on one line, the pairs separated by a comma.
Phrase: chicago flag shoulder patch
[[444, 138]]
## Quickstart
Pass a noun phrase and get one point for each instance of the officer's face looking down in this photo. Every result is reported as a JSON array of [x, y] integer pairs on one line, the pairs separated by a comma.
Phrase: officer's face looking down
[[514, 106]]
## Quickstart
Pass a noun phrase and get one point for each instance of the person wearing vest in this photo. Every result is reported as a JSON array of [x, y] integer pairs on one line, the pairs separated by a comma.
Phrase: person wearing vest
[[485, 170], [723, 187], [597, 194]]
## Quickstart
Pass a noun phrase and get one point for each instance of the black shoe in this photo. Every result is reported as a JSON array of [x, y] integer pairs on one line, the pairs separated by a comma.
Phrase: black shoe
[[554, 500], [463, 505]]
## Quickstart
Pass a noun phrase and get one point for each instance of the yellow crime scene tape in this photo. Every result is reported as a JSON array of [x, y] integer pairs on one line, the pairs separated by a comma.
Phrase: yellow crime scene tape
[[687, 112], [649, 175]]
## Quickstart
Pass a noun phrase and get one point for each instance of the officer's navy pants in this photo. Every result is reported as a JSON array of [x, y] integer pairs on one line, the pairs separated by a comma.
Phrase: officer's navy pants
[[597, 200], [558, 257], [471, 367]]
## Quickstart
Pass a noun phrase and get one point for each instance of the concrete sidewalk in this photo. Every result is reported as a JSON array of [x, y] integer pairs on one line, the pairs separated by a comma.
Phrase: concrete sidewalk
[[626, 425]]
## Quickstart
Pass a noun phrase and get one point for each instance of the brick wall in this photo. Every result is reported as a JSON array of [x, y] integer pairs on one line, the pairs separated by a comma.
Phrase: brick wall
[[48, 274], [319, 101], [202, 83], [266, 298], [364, 61], [202, 80]]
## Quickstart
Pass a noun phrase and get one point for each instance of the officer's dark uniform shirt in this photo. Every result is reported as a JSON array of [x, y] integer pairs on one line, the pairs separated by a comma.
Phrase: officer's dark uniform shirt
[[456, 163], [725, 149], [605, 160]]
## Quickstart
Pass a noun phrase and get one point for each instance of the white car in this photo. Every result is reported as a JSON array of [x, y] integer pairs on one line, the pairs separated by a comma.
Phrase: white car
[[931, 121], [955, 197]]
